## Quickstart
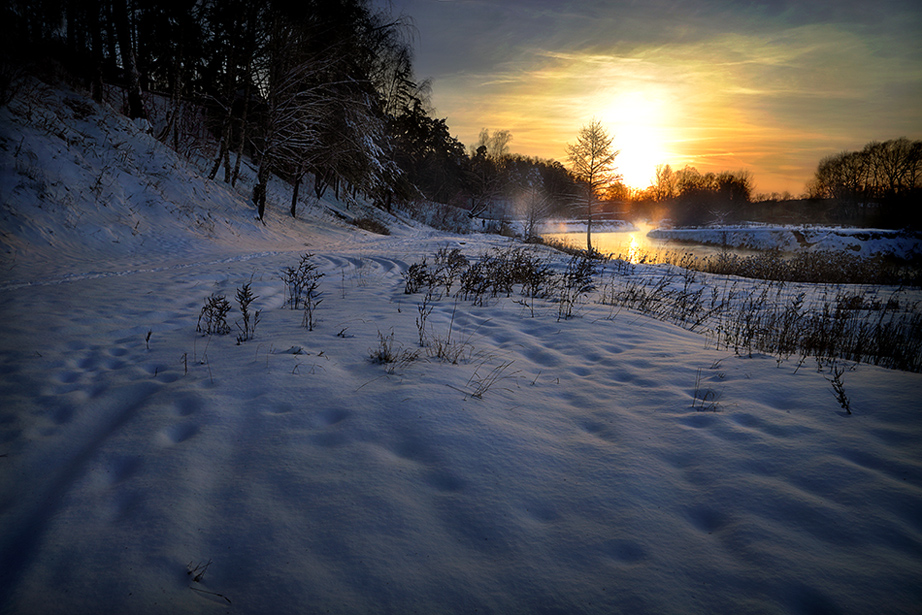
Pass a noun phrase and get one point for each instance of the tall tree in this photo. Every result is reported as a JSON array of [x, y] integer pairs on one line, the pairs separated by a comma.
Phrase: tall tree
[[592, 162], [123, 29]]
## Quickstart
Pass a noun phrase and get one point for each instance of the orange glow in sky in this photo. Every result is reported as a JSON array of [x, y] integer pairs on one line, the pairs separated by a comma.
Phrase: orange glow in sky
[[769, 88]]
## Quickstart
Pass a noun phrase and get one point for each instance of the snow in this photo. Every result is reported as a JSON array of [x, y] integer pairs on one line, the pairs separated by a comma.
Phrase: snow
[[559, 467], [903, 244]]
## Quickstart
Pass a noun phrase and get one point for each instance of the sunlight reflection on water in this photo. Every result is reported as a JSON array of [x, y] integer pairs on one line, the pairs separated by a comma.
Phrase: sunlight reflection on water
[[631, 246], [633, 250], [635, 246]]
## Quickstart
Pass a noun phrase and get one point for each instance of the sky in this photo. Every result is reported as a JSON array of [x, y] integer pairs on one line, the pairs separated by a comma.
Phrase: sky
[[765, 86]]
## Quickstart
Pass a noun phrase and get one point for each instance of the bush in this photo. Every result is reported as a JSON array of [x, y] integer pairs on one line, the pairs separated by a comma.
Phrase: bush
[[244, 298], [213, 318], [301, 282]]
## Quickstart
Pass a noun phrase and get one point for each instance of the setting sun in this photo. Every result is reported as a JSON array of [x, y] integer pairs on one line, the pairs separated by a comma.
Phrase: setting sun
[[636, 120]]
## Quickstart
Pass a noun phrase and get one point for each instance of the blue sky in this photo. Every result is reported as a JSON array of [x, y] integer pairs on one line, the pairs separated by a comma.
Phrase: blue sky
[[770, 87]]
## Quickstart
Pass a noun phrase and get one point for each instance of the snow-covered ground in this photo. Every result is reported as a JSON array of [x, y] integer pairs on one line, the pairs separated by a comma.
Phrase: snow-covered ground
[[903, 244], [558, 467]]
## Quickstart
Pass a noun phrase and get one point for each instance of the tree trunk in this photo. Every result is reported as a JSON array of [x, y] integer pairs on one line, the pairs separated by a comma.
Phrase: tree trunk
[[172, 124], [259, 191], [589, 224], [320, 185], [96, 86], [132, 78], [294, 195], [243, 130], [222, 150], [227, 164]]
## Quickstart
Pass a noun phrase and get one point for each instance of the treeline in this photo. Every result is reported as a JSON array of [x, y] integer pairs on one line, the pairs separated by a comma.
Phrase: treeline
[[319, 89], [882, 180], [880, 185], [690, 197]]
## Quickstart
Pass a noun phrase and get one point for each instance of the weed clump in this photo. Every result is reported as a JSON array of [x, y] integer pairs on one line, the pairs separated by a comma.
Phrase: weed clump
[[575, 283], [803, 266], [417, 277], [389, 353], [248, 329], [502, 272], [779, 318], [300, 281], [213, 318], [302, 288]]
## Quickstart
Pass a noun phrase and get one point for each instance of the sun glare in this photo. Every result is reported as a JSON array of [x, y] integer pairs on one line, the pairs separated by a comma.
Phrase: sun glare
[[633, 251], [636, 120]]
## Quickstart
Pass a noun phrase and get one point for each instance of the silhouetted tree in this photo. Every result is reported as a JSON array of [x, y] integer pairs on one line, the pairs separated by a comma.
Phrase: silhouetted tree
[[665, 185], [883, 177], [592, 159]]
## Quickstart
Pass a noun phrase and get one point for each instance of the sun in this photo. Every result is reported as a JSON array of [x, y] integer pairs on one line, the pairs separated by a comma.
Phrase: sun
[[639, 154], [637, 120]]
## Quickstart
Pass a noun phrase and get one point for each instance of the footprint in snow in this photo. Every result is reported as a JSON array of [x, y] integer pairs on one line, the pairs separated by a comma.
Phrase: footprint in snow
[[178, 433]]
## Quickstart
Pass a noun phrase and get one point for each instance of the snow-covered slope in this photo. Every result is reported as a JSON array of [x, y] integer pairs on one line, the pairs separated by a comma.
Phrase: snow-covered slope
[[83, 187], [558, 467]]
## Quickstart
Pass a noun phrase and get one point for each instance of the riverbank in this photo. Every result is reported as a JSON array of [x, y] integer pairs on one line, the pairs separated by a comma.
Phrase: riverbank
[[903, 244]]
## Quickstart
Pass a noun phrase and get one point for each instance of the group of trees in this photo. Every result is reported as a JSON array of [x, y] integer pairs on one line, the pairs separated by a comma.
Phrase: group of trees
[[318, 88], [502, 183], [307, 87], [691, 197], [885, 176]]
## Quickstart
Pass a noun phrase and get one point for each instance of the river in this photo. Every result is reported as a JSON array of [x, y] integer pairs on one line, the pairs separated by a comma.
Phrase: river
[[634, 245]]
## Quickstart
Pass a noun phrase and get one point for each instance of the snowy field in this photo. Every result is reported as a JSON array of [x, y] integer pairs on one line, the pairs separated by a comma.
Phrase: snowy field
[[560, 466]]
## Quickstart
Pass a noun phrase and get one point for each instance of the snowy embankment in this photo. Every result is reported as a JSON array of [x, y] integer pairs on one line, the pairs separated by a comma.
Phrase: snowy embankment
[[864, 242], [558, 467]]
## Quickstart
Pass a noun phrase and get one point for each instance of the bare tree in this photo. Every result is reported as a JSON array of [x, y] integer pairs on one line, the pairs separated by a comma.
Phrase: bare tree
[[297, 100], [534, 204], [497, 144], [591, 160], [665, 186]]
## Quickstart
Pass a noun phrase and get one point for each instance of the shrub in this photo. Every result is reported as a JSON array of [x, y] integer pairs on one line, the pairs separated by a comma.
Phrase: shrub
[[213, 318], [448, 265], [300, 281], [389, 354], [248, 329], [577, 281], [416, 277]]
